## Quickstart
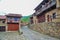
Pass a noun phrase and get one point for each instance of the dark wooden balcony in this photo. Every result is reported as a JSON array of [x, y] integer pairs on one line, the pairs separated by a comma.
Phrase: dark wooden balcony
[[45, 7], [8, 21]]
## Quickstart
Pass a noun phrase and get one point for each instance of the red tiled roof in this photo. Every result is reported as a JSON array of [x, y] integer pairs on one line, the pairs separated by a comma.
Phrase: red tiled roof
[[14, 15], [2, 17]]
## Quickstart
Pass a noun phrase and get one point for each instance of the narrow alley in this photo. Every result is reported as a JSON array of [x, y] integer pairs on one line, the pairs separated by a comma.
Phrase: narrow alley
[[32, 35], [28, 34], [29, 19]]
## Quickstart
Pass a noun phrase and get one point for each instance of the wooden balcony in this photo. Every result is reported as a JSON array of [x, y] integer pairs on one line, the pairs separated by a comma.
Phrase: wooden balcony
[[49, 5], [13, 21]]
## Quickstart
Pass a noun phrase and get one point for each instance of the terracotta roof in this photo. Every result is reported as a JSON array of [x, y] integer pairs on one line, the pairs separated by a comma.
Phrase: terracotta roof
[[2, 17], [14, 15]]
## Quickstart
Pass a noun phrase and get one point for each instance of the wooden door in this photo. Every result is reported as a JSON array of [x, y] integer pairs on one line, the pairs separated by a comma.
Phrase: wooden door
[[2, 28], [13, 27], [48, 18]]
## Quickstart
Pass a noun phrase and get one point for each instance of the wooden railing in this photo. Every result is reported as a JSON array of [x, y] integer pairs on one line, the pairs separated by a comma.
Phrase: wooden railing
[[46, 7]]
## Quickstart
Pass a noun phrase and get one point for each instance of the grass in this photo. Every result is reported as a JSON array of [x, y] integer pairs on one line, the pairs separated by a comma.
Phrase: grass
[[25, 18]]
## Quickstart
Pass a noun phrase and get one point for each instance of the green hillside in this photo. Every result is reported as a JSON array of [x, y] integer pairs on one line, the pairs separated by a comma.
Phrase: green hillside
[[25, 18]]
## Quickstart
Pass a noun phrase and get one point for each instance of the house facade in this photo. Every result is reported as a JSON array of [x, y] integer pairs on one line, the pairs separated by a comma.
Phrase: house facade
[[13, 22], [3, 23], [10, 22], [48, 11], [46, 19]]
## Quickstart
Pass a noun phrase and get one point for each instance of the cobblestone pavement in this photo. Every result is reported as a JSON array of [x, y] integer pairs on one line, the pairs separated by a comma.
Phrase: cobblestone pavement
[[32, 35], [28, 34], [11, 36]]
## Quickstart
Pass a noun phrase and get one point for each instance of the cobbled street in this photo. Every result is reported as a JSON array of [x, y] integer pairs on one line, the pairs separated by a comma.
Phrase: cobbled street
[[28, 34]]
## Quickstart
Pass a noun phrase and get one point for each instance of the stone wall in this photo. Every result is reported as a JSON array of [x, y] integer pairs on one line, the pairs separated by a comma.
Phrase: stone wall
[[52, 29]]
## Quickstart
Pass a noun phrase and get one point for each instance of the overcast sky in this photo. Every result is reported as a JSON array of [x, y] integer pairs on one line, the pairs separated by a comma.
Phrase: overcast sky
[[24, 7]]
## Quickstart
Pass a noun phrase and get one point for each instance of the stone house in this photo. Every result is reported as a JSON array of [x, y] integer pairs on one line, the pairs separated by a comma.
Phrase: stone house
[[13, 22], [46, 19], [3, 23], [47, 11], [10, 22]]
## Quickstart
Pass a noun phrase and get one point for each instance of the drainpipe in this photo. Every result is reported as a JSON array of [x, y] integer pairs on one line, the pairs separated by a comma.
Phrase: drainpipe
[[6, 25]]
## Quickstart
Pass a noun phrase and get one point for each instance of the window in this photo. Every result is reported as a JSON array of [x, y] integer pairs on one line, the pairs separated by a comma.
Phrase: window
[[9, 18], [48, 16], [54, 15], [3, 21], [16, 19]]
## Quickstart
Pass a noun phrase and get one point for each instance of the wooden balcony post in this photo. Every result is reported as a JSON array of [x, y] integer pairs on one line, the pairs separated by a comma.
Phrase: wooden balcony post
[[35, 20]]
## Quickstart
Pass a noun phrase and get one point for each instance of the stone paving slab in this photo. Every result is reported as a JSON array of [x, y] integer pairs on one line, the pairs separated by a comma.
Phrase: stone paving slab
[[11, 36], [33, 35], [28, 34]]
